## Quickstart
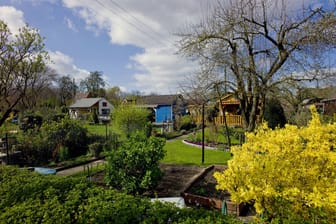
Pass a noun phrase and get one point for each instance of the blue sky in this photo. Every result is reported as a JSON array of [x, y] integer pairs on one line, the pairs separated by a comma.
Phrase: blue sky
[[130, 41]]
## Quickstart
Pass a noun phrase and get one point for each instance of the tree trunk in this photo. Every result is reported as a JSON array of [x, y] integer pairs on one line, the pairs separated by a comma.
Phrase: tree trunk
[[5, 116]]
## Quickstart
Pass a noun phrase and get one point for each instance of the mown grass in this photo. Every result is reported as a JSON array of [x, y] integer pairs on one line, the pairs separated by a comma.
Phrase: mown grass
[[218, 136], [180, 153], [177, 151], [98, 129]]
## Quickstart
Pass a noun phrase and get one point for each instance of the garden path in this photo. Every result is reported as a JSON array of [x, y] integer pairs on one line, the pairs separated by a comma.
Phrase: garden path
[[77, 169]]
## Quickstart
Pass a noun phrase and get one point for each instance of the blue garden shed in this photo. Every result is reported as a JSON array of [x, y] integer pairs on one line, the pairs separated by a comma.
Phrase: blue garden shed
[[165, 107]]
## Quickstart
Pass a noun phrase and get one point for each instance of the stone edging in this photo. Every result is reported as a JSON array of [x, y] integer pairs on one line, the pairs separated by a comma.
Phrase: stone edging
[[197, 177], [198, 146]]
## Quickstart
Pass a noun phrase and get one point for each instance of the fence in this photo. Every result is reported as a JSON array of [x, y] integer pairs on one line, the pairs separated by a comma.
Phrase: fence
[[4, 149], [7, 144], [231, 120]]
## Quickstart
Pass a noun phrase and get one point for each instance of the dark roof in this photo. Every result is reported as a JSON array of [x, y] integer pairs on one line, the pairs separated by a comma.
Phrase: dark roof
[[159, 99], [328, 100], [85, 103]]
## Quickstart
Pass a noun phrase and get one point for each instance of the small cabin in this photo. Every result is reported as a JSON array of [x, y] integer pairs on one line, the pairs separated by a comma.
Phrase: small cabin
[[228, 104], [83, 107]]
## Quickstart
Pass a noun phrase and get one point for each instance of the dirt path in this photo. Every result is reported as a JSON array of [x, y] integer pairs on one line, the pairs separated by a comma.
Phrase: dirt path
[[77, 169], [176, 178]]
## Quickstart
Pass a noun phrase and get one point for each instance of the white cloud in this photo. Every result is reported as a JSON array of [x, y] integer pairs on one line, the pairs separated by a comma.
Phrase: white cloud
[[64, 65], [135, 22], [70, 24], [160, 70], [36, 2], [149, 25], [13, 17]]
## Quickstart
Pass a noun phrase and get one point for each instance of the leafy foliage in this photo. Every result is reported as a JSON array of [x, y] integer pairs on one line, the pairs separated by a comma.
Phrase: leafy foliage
[[28, 197], [274, 114], [287, 173], [184, 123], [46, 144], [128, 119], [31, 122], [22, 59], [69, 133], [94, 83], [134, 167], [96, 148], [67, 89]]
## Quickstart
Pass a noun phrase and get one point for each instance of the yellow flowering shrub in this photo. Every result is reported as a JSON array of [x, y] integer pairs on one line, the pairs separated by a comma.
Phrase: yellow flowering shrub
[[287, 173]]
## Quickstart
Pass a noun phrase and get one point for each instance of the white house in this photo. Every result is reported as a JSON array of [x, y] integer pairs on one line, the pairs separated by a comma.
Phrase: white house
[[83, 107]]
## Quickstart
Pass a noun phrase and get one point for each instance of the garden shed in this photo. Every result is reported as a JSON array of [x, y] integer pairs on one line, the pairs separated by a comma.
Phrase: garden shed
[[83, 107], [229, 104], [329, 106], [165, 107]]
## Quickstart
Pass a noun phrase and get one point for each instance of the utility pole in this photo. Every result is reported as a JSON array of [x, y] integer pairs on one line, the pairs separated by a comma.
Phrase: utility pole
[[7, 148], [203, 124]]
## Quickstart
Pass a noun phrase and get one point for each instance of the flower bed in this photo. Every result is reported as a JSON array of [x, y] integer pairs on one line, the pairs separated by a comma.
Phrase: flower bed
[[201, 192]]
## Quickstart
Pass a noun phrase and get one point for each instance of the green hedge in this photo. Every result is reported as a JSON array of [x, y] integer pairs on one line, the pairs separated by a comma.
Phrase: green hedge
[[27, 197]]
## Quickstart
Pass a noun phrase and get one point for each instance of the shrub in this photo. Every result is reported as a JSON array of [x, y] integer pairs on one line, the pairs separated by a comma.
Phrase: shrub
[[134, 167], [27, 197], [288, 173], [96, 148], [274, 114], [129, 119], [35, 148], [64, 153], [30, 122], [39, 147], [185, 123], [68, 133]]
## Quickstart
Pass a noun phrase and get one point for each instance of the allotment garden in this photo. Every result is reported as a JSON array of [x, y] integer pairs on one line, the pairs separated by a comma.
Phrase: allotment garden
[[286, 174]]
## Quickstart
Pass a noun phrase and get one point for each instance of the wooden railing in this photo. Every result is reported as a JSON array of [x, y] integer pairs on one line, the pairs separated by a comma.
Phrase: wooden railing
[[231, 120]]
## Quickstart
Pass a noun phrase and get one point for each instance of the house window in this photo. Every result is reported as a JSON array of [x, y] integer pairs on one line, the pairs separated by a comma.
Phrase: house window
[[105, 111], [104, 104]]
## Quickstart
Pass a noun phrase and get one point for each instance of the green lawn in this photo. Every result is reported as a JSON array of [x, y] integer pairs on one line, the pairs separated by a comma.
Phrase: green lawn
[[98, 129], [177, 152], [180, 153]]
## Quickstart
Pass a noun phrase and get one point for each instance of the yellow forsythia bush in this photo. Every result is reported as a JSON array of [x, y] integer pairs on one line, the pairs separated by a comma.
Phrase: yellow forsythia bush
[[288, 173]]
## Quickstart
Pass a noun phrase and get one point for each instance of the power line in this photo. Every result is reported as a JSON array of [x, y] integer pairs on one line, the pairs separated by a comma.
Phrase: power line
[[143, 24], [138, 26]]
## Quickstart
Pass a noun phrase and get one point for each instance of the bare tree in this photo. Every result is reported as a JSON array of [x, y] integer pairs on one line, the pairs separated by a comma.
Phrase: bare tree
[[94, 83], [263, 43], [22, 61], [39, 89], [67, 89]]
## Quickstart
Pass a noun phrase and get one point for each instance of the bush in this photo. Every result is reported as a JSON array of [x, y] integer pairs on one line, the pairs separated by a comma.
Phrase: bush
[[129, 119], [64, 153], [68, 133], [30, 122], [28, 197], [94, 117], [40, 147], [274, 114], [185, 123], [96, 148], [288, 173], [134, 167], [35, 148]]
